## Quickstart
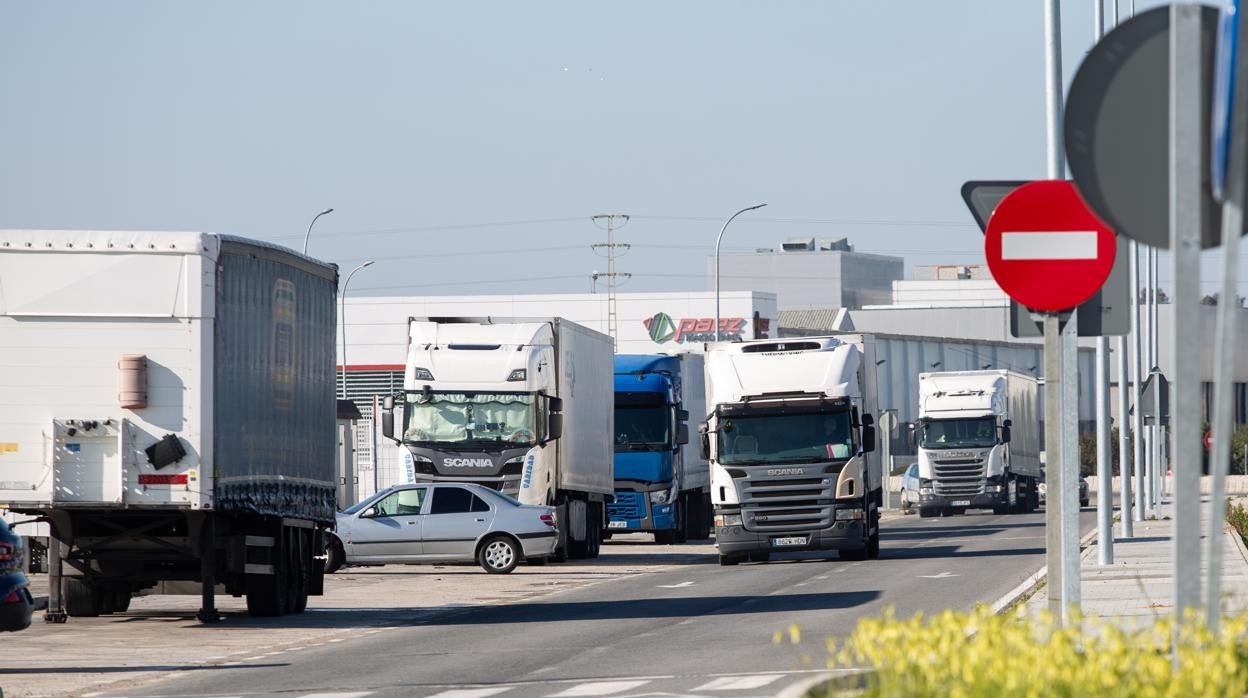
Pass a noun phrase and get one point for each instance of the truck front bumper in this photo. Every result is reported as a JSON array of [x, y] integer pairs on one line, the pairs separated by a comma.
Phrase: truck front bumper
[[841, 535], [657, 517], [985, 500]]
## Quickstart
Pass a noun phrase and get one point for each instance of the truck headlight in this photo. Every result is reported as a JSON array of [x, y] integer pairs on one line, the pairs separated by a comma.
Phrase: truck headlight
[[993, 488], [658, 497], [925, 490], [848, 514], [722, 520]]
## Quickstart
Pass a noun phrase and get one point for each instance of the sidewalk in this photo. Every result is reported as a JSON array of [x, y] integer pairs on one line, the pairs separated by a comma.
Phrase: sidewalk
[[1139, 586]]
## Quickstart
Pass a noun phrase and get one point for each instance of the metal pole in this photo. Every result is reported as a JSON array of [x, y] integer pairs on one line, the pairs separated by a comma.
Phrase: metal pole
[[1225, 334], [1104, 456], [1124, 434], [1143, 471], [719, 240], [1185, 238], [1160, 428], [1053, 465], [1130, 511], [344, 325], [309, 233]]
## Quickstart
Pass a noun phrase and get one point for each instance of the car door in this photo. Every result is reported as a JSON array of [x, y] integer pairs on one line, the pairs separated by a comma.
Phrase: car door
[[390, 530], [456, 520]]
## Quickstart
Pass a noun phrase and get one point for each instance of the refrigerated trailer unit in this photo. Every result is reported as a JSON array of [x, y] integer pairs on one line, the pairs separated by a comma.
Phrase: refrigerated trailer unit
[[523, 406], [662, 484], [167, 406], [791, 441], [979, 442]]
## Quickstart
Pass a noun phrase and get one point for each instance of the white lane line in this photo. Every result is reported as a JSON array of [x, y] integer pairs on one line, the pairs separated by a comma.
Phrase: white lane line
[[1070, 244], [599, 688], [472, 692], [738, 683]]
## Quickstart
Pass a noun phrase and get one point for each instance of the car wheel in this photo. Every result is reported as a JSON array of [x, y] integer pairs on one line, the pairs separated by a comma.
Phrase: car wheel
[[334, 556], [498, 555]]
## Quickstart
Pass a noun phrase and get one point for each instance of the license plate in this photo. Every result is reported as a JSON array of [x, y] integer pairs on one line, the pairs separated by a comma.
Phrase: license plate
[[960, 503], [793, 540], [617, 524]]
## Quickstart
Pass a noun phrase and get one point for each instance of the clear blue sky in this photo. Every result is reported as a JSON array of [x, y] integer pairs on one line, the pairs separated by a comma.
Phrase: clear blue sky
[[439, 131]]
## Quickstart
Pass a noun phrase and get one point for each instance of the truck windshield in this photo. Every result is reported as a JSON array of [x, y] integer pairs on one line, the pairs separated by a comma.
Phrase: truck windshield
[[958, 433], [786, 438], [463, 421], [643, 428]]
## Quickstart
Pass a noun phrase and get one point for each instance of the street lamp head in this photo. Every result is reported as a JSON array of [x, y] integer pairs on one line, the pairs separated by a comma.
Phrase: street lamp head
[[755, 207], [328, 210], [369, 263]]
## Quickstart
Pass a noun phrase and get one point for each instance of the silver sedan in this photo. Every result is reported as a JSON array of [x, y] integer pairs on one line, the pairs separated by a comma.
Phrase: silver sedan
[[453, 522]]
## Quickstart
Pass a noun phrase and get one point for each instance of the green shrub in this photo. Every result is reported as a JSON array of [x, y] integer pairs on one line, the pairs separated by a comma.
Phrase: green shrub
[[969, 655]]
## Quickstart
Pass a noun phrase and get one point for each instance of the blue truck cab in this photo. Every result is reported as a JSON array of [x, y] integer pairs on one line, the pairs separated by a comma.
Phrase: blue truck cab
[[661, 483]]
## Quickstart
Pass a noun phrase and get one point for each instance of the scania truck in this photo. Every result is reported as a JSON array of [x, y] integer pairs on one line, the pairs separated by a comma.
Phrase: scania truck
[[791, 441], [524, 406], [167, 409], [979, 442], [662, 484]]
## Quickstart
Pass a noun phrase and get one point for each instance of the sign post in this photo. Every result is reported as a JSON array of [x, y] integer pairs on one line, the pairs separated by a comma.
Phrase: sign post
[[887, 425], [1050, 253]]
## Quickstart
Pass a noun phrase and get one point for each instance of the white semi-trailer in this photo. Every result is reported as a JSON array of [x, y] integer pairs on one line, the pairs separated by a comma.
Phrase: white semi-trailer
[[791, 442], [525, 406], [167, 407], [979, 442]]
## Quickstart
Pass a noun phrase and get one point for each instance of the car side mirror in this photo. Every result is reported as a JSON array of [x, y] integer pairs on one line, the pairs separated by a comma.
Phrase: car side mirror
[[868, 433], [682, 434]]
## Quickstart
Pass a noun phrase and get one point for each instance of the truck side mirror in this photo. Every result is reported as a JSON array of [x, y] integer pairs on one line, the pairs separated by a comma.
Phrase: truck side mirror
[[1005, 431], [387, 418], [555, 404], [554, 426], [704, 442], [682, 434], [868, 433]]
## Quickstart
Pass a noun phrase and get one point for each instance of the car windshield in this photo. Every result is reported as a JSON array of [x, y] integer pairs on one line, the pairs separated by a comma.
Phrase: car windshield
[[643, 427], [958, 433], [461, 421], [786, 438]]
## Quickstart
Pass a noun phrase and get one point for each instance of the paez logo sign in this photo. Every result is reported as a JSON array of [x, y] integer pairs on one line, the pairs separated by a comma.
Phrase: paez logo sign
[[663, 328]]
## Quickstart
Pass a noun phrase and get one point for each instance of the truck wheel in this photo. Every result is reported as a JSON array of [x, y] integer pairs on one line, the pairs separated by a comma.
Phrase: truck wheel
[[82, 600], [121, 599], [664, 537], [854, 555], [267, 593], [301, 569], [498, 555], [729, 560]]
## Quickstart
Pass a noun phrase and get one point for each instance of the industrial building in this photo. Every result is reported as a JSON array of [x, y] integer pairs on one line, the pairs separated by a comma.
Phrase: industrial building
[[806, 273]]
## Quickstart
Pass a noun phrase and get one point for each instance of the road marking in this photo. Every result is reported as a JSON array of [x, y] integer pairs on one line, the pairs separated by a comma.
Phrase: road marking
[[682, 585], [472, 692], [1069, 244], [600, 688], [942, 575], [345, 694], [738, 683]]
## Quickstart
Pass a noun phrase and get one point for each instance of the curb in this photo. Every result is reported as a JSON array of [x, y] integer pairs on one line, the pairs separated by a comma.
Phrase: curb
[[1033, 582], [801, 688]]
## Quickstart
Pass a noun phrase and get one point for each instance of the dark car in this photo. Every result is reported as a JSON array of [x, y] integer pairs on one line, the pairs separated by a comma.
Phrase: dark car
[[1083, 490], [16, 603]]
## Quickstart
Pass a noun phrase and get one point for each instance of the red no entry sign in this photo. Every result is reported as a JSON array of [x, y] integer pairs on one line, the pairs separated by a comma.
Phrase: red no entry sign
[[1046, 249]]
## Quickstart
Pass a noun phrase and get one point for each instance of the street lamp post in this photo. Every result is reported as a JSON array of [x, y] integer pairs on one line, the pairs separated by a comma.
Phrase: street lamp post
[[344, 324], [718, 240], [309, 233]]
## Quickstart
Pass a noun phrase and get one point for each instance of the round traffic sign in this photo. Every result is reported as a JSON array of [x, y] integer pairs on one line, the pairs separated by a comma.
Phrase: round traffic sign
[[1209, 441], [1046, 249]]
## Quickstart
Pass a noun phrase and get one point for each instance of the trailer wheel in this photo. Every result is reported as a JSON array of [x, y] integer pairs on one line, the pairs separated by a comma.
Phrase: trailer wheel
[[82, 600], [267, 593], [300, 567], [121, 599]]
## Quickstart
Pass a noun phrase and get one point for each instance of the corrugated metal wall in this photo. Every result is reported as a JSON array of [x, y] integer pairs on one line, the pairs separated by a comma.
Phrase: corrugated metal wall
[[275, 403]]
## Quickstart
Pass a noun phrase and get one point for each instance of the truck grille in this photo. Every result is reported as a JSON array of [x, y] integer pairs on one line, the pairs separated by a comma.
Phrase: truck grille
[[787, 503], [627, 505], [959, 477]]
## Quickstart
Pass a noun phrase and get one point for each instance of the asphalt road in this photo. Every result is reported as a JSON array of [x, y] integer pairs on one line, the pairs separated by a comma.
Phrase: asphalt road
[[698, 629]]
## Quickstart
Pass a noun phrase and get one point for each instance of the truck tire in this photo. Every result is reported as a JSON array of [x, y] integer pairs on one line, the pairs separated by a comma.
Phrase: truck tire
[[267, 594], [729, 560], [121, 599], [595, 530], [853, 555], [82, 599], [665, 537], [301, 569], [565, 540], [498, 555]]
